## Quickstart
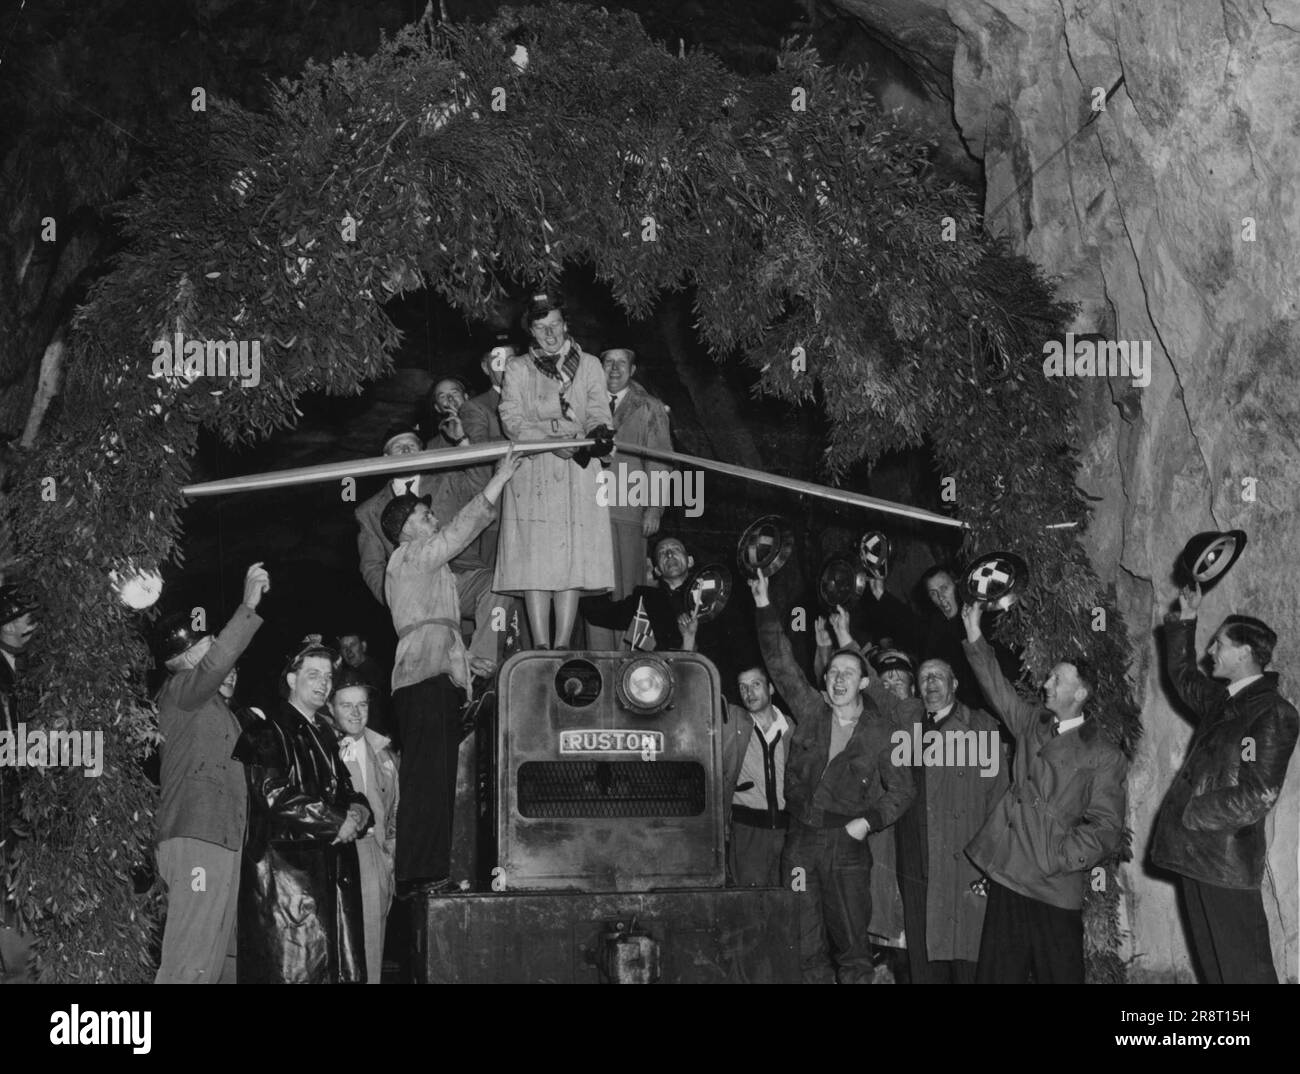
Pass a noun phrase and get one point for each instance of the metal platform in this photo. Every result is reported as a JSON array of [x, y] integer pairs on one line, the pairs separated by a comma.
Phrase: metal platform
[[735, 936]]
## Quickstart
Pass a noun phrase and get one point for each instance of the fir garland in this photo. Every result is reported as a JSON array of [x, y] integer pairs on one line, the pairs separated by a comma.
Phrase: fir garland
[[821, 246]]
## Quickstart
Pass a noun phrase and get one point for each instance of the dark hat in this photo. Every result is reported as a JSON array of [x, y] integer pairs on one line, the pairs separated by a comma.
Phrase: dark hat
[[14, 604], [891, 660], [765, 546], [997, 580], [398, 511], [842, 581], [875, 550], [346, 677], [710, 587], [174, 635], [540, 303], [400, 430], [1208, 556]]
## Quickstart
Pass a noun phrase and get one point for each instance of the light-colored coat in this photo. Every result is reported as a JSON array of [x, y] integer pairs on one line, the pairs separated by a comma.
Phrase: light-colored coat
[[555, 534], [376, 849]]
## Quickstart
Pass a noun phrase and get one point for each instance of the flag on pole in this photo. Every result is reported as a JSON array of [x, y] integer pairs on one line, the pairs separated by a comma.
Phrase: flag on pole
[[639, 634]]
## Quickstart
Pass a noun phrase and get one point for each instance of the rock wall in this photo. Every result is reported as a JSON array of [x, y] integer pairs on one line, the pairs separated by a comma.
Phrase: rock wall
[[1171, 218]]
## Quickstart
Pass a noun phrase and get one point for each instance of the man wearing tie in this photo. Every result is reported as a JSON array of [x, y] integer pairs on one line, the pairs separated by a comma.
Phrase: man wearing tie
[[639, 418], [1062, 816], [373, 768], [942, 914]]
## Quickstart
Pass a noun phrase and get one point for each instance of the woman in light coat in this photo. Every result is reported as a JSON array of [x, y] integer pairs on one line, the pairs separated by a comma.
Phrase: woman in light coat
[[556, 540]]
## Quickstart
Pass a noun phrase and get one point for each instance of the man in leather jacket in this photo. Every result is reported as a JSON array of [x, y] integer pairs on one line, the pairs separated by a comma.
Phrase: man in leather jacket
[[1210, 830], [300, 910]]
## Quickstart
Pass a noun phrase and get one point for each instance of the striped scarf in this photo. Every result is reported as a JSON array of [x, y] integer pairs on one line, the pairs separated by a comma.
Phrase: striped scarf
[[550, 366]]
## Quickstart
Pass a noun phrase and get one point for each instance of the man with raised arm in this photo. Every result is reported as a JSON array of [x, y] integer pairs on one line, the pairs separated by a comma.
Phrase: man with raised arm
[[1061, 817], [840, 784]]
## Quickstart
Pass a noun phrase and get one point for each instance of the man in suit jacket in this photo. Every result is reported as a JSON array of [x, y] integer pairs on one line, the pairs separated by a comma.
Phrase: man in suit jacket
[[639, 418], [755, 745], [1210, 830], [450, 490], [956, 790], [373, 770], [203, 808], [1062, 816]]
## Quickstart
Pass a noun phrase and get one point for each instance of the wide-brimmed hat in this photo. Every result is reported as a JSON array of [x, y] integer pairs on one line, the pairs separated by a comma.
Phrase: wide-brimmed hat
[[1208, 556], [398, 511]]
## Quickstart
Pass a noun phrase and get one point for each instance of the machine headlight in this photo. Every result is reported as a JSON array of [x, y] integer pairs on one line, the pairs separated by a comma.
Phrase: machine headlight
[[645, 685]]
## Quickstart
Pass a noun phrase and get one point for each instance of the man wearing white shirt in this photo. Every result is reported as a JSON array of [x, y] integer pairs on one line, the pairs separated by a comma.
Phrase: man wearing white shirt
[[755, 746], [1211, 830]]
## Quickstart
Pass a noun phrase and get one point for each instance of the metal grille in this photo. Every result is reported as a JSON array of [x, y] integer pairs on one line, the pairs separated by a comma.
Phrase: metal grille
[[611, 789]]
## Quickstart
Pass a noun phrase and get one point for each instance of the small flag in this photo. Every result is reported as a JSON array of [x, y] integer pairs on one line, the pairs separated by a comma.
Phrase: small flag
[[639, 635]]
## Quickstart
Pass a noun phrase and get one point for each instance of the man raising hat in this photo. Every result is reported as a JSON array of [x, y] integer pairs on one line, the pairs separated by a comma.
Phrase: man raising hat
[[203, 808]]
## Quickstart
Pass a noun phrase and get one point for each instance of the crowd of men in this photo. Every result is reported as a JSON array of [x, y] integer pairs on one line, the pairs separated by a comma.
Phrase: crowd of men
[[306, 820]]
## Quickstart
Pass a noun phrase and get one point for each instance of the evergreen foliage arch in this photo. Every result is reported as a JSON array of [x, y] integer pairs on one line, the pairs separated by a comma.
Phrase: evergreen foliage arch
[[817, 231]]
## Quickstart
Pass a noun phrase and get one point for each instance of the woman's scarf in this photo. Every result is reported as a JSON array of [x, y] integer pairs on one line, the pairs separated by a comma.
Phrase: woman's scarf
[[550, 365]]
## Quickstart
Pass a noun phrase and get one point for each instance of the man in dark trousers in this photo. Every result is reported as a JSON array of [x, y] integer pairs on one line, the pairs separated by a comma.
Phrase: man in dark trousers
[[1063, 815], [943, 914], [432, 674], [300, 905], [755, 746], [203, 808], [1210, 830], [840, 784]]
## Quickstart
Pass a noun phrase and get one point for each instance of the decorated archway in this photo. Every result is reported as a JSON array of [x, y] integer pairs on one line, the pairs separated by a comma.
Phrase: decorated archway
[[820, 245]]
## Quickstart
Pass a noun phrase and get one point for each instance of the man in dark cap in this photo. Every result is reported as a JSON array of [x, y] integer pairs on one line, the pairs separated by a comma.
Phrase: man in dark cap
[[448, 491], [17, 626], [203, 807], [432, 672]]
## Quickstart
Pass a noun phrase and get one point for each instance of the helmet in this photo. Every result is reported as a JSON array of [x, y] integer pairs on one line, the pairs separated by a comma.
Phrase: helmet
[[710, 589], [765, 546], [174, 635], [997, 580], [842, 581], [875, 550]]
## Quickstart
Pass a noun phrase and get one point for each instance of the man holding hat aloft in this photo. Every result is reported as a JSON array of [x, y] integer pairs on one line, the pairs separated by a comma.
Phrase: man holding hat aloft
[[432, 671], [203, 808], [1211, 826]]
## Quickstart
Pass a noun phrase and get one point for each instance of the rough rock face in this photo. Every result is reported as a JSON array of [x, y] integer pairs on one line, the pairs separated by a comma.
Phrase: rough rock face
[[1170, 218]]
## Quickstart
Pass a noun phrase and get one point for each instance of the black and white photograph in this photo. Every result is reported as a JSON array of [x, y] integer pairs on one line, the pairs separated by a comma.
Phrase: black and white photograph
[[734, 492]]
